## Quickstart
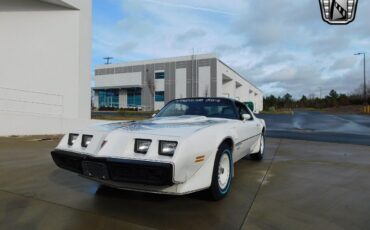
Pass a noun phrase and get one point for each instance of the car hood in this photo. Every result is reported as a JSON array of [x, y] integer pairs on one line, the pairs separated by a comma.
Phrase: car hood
[[165, 126]]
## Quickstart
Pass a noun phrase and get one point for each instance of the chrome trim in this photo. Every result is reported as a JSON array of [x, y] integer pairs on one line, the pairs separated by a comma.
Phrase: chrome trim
[[247, 139]]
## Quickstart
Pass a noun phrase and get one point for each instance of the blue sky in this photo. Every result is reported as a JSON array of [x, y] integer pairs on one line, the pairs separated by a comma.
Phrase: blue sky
[[280, 45]]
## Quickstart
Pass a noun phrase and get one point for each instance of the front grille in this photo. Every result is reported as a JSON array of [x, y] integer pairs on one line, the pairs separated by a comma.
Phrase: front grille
[[130, 171], [141, 172], [71, 162]]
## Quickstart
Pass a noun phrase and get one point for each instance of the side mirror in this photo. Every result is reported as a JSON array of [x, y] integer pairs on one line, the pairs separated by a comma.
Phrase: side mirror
[[246, 117], [154, 114]]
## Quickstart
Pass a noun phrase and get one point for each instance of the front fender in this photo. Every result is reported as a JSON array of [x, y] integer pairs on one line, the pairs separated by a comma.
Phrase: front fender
[[204, 145]]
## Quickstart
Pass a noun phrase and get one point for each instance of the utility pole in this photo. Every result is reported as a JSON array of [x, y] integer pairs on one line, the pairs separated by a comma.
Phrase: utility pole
[[108, 60], [365, 90]]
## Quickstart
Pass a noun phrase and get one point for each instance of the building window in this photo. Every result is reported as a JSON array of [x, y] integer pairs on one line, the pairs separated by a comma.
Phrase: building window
[[159, 75], [159, 96], [108, 98], [134, 97]]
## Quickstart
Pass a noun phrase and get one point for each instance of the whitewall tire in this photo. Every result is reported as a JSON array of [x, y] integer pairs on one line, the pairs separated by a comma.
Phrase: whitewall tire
[[222, 173]]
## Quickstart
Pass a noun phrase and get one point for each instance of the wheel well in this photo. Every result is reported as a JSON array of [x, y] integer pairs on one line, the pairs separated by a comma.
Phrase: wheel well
[[229, 142]]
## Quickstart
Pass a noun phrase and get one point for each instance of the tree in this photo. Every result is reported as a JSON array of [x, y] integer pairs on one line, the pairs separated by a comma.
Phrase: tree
[[270, 102], [288, 99], [343, 99], [332, 99], [333, 94], [303, 101]]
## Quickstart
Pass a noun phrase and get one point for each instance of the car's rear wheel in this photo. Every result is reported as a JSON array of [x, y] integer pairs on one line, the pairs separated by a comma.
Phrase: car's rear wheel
[[222, 173], [259, 156]]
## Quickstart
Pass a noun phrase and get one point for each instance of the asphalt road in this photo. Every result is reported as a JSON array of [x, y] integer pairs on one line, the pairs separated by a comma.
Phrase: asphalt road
[[316, 126], [299, 185]]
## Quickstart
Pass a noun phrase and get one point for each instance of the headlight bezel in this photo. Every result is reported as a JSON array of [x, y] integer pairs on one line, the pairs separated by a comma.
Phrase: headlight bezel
[[137, 143], [86, 140], [161, 148], [71, 140]]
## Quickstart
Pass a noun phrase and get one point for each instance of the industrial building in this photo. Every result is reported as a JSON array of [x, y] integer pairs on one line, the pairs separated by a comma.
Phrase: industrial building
[[148, 85], [45, 66]]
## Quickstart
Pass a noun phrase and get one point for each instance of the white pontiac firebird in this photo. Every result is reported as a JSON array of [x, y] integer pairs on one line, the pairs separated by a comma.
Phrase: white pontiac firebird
[[190, 145]]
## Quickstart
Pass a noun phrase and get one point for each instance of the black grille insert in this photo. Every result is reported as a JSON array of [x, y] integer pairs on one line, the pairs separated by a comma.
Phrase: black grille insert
[[118, 170]]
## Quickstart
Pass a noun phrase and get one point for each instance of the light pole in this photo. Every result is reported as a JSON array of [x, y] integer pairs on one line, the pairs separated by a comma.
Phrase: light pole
[[365, 93], [108, 60]]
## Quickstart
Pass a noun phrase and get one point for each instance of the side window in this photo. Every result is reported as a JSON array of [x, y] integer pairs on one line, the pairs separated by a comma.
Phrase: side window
[[242, 109]]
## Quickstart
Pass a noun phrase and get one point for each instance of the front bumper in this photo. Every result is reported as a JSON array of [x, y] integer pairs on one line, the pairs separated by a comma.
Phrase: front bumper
[[116, 170]]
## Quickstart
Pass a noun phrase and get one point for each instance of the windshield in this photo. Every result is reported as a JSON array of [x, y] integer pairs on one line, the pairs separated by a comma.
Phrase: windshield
[[209, 107]]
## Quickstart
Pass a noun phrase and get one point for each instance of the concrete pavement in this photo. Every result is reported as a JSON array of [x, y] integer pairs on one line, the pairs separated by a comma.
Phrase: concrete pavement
[[317, 126], [299, 185]]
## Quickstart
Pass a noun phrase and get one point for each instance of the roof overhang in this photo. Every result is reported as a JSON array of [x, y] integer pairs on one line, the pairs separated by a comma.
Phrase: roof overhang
[[117, 87], [64, 3]]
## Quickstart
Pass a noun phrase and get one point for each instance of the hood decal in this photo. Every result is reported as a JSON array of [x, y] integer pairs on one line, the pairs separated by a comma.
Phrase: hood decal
[[166, 126], [153, 125]]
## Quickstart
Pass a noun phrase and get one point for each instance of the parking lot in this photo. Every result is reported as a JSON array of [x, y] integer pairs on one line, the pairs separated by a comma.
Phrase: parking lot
[[318, 126], [299, 185]]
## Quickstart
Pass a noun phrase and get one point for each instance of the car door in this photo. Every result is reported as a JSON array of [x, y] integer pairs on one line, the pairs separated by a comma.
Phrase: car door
[[248, 131]]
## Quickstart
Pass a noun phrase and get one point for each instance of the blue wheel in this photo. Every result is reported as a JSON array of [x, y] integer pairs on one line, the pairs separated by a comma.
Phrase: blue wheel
[[222, 173]]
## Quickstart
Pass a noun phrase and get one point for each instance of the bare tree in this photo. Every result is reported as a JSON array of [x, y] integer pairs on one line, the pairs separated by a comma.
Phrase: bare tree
[[360, 90]]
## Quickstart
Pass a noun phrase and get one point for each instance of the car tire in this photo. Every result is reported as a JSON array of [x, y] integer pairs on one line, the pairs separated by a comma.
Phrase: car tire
[[259, 156], [222, 173]]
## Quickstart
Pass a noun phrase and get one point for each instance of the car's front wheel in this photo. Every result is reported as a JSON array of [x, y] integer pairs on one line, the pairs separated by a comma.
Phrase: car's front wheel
[[222, 173]]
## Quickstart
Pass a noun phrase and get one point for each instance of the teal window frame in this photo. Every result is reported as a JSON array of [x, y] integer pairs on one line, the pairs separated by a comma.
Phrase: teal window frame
[[109, 98], [159, 75], [134, 97], [159, 96]]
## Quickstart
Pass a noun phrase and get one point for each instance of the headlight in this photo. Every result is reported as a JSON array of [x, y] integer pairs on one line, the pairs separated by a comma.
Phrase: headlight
[[142, 145], [86, 140], [167, 148], [72, 138]]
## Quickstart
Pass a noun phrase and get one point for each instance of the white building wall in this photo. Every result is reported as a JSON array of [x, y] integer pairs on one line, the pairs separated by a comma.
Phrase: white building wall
[[118, 80], [220, 69], [96, 99], [237, 87], [44, 66], [204, 79], [180, 84], [122, 98], [241, 93], [159, 84], [158, 105]]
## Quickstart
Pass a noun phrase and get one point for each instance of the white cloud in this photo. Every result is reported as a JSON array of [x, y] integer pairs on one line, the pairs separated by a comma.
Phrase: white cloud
[[280, 45]]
